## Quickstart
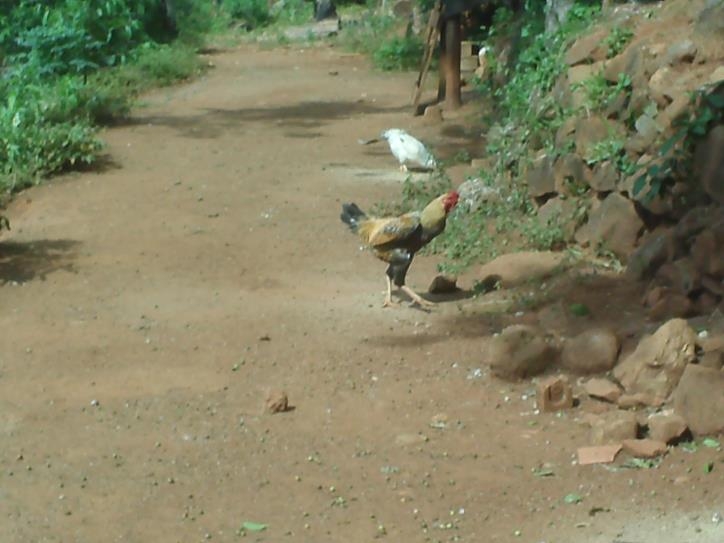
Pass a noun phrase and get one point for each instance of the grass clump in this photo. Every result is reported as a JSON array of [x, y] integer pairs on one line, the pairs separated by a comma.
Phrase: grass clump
[[398, 53]]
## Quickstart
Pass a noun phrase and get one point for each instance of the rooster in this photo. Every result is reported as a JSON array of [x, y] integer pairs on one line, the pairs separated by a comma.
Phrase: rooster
[[395, 240]]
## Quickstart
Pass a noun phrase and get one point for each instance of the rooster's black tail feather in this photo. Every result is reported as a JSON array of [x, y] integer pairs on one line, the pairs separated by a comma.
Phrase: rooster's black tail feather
[[352, 215]]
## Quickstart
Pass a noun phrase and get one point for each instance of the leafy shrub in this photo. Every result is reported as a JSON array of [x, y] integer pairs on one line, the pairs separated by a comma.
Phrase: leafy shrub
[[165, 64], [617, 40], [194, 19], [75, 37], [676, 154], [398, 53], [73, 64], [364, 34], [254, 13], [292, 11], [43, 130]]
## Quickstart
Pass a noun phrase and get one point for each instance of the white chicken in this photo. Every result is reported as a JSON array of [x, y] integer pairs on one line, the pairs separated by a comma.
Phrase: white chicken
[[408, 150]]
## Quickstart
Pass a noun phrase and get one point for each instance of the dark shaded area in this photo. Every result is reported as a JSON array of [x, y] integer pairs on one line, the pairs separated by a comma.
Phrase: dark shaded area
[[613, 301], [102, 164], [302, 115], [302, 135], [25, 261]]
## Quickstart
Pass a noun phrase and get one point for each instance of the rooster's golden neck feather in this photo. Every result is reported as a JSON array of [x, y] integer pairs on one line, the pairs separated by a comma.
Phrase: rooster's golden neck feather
[[434, 213]]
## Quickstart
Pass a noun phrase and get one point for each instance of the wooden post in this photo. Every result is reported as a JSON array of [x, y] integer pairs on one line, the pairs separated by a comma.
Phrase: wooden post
[[442, 63], [450, 50]]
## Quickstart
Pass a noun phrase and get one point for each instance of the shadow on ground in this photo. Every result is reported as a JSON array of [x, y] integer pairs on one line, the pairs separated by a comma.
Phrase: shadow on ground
[[25, 261], [300, 116]]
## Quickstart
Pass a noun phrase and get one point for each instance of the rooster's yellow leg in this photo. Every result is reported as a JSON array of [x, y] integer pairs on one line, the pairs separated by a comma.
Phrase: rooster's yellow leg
[[388, 298], [403, 168], [416, 297]]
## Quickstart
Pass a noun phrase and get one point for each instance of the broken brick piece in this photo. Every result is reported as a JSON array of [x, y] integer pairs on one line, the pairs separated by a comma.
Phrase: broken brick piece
[[554, 394], [645, 448], [599, 454]]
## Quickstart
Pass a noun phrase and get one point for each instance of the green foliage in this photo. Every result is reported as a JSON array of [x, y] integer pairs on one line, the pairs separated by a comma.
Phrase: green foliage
[[162, 65], [398, 53], [194, 19], [74, 37], [675, 158], [43, 129], [292, 12], [539, 62], [376, 34], [527, 112], [600, 92], [73, 64], [617, 40], [254, 13]]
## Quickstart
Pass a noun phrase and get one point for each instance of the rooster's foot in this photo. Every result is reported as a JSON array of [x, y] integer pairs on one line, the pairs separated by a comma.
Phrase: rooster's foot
[[416, 298]]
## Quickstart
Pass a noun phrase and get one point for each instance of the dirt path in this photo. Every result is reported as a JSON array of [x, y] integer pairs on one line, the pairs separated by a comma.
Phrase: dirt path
[[147, 310]]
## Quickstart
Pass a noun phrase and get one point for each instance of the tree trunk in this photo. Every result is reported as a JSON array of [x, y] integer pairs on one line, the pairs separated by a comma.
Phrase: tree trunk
[[557, 13], [449, 86], [170, 12], [324, 9]]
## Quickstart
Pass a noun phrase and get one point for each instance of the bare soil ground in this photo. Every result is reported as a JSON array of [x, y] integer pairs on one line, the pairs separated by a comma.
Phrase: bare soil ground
[[148, 309]]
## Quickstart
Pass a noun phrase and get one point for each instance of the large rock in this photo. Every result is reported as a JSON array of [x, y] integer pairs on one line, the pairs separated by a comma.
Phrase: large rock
[[711, 19], [592, 351], [587, 48], [648, 129], [699, 398], [655, 367], [602, 389], [666, 427], [710, 161], [540, 176], [662, 85], [660, 204], [516, 268], [590, 131], [564, 132], [319, 29], [636, 61], [569, 172], [520, 351], [605, 177], [665, 303], [651, 254], [474, 193], [561, 212], [681, 51], [676, 109], [681, 275], [614, 427], [615, 225], [707, 252], [644, 448]]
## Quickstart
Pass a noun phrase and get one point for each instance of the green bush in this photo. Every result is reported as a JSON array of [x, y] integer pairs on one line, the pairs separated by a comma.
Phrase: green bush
[[162, 65], [292, 12], [254, 13], [44, 128], [73, 64], [398, 53], [73, 37], [194, 19], [364, 34]]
